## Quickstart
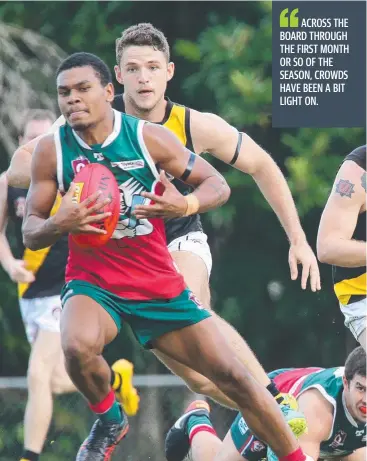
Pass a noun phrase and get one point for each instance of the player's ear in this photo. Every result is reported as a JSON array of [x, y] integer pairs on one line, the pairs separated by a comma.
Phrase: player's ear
[[110, 92], [170, 71], [118, 74]]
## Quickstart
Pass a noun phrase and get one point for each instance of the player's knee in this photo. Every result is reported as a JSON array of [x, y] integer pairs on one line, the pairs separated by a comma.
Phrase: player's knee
[[77, 350], [62, 386]]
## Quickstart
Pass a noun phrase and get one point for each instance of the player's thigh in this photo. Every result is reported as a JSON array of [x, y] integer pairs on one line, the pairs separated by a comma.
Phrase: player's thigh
[[197, 382], [228, 451], [195, 274], [85, 324], [203, 348], [192, 256]]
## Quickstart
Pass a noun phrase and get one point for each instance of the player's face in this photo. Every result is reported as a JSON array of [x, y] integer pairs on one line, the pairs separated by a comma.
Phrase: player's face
[[355, 397], [82, 98], [35, 128], [144, 72]]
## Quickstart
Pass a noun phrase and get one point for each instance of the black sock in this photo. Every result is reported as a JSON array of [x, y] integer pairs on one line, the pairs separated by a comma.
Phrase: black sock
[[30, 455], [116, 380], [274, 391]]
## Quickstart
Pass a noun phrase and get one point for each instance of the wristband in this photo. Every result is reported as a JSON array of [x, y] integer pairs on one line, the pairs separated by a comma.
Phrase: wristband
[[192, 204]]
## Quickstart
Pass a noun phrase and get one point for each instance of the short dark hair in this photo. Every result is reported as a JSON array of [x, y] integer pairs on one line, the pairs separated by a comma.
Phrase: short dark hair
[[35, 114], [143, 34], [355, 364], [87, 59]]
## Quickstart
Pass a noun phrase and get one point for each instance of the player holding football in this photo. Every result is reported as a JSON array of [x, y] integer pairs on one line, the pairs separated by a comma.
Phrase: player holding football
[[132, 277], [144, 68], [333, 401]]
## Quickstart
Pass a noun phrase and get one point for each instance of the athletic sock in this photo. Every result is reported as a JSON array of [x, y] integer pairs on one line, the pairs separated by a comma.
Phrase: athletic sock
[[108, 410], [197, 424], [296, 455], [274, 391], [29, 455], [116, 380]]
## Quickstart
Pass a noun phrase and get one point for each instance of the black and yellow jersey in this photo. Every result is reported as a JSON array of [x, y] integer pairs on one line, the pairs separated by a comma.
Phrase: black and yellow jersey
[[177, 120], [350, 282], [47, 264]]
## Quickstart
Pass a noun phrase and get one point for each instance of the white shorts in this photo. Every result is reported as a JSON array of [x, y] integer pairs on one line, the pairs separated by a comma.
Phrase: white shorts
[[40, 314], [355, 316], [194, 242]]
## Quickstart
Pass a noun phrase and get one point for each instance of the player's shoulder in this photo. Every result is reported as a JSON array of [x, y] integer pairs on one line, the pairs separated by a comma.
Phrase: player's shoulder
[[358, 156], [210, 123], [45, 149], [331, 381]]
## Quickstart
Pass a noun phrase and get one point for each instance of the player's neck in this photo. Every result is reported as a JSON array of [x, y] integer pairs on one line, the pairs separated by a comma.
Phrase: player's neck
[[98, 133], [156, 115]]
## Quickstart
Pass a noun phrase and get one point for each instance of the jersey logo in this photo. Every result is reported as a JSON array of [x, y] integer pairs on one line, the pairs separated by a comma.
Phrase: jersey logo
[[129, 165], [257, 446], [339, 439], [128, 226], [98, 156], [195, 300], [79, 163]]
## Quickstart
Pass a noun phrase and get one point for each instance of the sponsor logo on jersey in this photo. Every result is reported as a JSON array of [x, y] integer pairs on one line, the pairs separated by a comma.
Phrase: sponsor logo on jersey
[[98, 156], [339, 439], [79, 163], [128, 165], [242, 426]]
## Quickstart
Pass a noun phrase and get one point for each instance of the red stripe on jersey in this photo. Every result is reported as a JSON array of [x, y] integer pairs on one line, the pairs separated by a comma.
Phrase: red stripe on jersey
[[287, 381]]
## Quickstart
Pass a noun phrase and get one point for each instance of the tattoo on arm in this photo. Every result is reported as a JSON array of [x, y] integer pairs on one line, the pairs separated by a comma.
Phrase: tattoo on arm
[[345, 188], [219, 190], [363, 181]]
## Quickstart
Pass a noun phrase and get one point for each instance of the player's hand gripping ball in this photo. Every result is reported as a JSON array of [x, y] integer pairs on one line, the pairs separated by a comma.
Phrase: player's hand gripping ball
[[92, 178]]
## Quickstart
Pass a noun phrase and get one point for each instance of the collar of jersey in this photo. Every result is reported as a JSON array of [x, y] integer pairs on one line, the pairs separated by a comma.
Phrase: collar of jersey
[[110, 138], [167, 112]]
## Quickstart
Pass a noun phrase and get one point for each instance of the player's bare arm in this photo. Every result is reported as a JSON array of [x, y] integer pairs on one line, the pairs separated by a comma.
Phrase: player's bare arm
[[319, 416], [211, 189], [358, 455], [39, 229], [19, 171], [214, 135], [346, 201], [14, 267]]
